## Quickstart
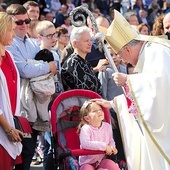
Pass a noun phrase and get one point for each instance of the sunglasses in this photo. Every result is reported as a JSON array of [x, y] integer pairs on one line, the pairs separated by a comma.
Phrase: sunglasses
[[21, 22], [50, 36]]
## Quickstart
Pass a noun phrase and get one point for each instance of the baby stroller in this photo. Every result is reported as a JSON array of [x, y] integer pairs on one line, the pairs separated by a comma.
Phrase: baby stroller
[[64, 122]]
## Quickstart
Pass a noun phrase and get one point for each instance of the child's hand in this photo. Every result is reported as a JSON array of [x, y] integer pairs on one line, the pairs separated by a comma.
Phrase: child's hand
[[114, 150], [109, 150]]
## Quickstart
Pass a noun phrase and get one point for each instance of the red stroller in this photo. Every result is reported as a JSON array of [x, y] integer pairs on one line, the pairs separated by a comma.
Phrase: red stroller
[[64, 122]]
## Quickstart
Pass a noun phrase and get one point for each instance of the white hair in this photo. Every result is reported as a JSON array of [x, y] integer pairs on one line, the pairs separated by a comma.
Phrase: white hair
[[77, 31]]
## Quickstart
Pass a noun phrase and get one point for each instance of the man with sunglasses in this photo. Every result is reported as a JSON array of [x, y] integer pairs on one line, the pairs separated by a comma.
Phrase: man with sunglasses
[[24, 49]]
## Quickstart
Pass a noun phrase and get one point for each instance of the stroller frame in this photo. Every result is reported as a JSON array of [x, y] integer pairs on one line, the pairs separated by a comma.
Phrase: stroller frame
[[55, 116]]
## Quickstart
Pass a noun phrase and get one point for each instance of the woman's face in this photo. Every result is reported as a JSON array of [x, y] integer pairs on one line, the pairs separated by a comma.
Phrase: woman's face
[[144, 30], [84, 44], [9, 35]]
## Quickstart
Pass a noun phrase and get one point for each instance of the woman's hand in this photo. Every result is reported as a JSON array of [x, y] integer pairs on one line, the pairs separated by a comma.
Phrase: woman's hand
[[15, 135]]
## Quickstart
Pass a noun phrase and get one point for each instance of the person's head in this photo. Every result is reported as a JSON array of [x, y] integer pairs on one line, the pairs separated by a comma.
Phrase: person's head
[[91, 113], [115, 57], [97, 12], [21, 19], [132, 18], [102, 21], [64, 8], [49, 16], [46, 34], [111, 13], [139, 3], [142, 13], [155, 8], [3, 7], [7, 27], [42, 17], [62, 35], [144, 29], [166, 23], [33, 9], [130, 51], [158, 28], [32, 29], [67, 20], [81, 40]]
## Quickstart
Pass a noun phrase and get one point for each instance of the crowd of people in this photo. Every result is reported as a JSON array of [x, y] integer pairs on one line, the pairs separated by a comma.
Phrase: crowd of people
[[39, 43]]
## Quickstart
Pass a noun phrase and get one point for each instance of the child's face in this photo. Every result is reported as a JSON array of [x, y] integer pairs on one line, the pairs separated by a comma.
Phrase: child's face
[[114, 56], [96, 115], [49, 37]]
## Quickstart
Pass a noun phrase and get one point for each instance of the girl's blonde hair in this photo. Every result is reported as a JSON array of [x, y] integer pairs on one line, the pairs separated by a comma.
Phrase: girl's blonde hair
[[85, 109], [5, 23]]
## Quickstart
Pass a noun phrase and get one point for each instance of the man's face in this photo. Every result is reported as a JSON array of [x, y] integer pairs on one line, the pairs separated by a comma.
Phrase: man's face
[[166, 24], [33, 12], [21, 30], [129, 54], [64, 9]]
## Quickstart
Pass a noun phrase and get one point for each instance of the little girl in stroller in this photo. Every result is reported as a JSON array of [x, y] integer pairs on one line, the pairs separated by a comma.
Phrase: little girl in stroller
[[95, 134]]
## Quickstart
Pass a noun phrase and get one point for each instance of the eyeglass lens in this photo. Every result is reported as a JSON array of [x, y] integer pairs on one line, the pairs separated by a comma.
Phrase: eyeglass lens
[[21, 22], [49, 36]]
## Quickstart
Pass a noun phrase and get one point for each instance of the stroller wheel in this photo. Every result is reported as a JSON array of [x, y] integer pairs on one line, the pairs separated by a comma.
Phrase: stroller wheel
[[123, 165]]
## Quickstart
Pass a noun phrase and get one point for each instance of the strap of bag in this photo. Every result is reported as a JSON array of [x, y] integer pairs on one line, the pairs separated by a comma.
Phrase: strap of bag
[[22, 124]]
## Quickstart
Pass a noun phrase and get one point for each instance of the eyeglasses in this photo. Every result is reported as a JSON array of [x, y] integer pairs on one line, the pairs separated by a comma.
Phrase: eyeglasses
[[21, 22], [50, 36], [66, 36]]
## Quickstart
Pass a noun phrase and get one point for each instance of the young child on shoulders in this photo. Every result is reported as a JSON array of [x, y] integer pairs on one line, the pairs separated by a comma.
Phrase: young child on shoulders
[[95, 134]]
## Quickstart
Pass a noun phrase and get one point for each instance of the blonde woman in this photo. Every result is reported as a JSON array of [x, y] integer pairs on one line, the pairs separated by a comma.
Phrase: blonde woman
[[10, 146]]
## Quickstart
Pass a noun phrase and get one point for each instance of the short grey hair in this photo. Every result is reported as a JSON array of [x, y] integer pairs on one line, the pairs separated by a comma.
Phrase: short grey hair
[[77, 31], [133, 43], [127, 15]]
